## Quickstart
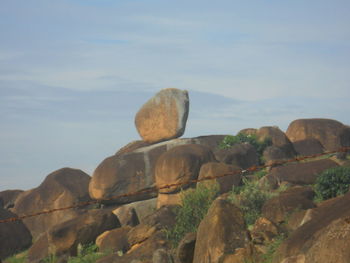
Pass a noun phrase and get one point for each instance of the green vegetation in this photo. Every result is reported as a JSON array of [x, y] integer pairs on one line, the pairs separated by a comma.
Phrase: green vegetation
[[194, 206], [272, 247], [50, 259], [332, 182], [252, 139], [87, 254], [250, 197], [18, 258]]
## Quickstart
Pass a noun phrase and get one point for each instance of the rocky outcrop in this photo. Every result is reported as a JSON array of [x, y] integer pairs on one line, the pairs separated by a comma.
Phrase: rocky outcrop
[[61, 188], [263, 231], [146, 238], [8, 198], [330, 133], [281, 147], [181, 164], [299, 173], [242, 155], [308, 147], [142, 208], [126, 173], [277, 137], [14, 236], [218, 169], [63, 239], [185, 249], [130, 171], [221, 232], [324, 238], [127, 216], [279, 208], [140, 253], [115, 240], [164, 116], [162, 218]]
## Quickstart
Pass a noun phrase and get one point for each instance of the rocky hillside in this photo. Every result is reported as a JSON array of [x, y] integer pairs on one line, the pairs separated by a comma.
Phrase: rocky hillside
[[254, 208]]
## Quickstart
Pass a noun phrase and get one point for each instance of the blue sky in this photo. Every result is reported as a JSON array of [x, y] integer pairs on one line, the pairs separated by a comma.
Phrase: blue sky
[[73, 73]]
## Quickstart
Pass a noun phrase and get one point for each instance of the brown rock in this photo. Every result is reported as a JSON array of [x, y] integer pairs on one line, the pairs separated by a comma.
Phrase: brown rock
[[281, 148], [299, 173], [169, 199], [140, 253], [263, 231], [114, 240], [277, 137], [8, 198], [279, 208], [132, 146], [61, 188], [221, 232], [274, 153], [242, 155], [330, 133], [185, 249], [161, 255], [180, 164], [299, 218], [308, 147], [14, 236], [143, 208], [218, 169], [210, 141], [164, 116], [39, 250], [324, 238], [127, 216], [121, 174], [62, 239], [162, 218], [134, 169], [242, 255]]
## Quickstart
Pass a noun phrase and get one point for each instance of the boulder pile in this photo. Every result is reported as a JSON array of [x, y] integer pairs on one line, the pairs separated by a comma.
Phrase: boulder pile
[[160, 169]]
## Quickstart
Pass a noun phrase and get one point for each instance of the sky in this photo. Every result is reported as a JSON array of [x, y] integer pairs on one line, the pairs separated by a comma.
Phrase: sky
[[73, 73]]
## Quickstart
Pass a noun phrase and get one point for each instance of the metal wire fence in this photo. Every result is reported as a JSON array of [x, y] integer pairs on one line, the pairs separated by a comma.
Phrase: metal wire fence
[[156, 189]]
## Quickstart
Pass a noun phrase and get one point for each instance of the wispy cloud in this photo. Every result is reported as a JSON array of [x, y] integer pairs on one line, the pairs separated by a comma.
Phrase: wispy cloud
[[74, 72]]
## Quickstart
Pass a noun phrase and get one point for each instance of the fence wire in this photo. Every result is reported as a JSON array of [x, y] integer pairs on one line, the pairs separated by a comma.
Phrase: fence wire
[[156, 189]]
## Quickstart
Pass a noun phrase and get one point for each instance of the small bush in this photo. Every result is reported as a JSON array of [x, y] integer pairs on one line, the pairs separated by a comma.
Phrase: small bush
[[250, 197], [259, 146], [332, 182], [272, 247], [18, 258], [194, 206]]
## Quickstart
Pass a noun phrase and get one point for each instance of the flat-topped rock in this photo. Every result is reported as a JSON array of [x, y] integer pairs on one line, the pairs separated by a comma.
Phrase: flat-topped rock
[[164, 116]]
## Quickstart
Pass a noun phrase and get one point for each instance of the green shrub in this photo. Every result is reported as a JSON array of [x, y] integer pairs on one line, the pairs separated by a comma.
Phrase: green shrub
[[259, 174], [18, 258], [252, 139], [250, 197], [194, 206], [332, 182], [272, 247]]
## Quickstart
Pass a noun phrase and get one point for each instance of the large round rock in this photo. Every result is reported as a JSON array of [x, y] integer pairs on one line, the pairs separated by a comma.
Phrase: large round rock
[[331, 133], [181, 164], [164, 116], [62, 188]]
